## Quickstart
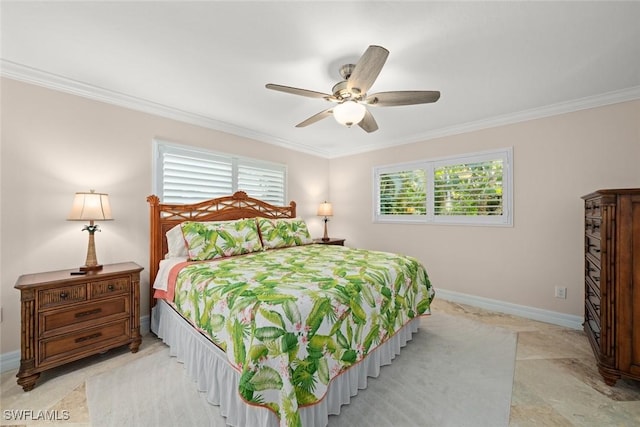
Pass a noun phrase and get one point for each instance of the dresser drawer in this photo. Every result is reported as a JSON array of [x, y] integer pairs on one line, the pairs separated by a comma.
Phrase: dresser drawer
[[59, 321], [592, 246], [59, 296], [592, 323], [592, 208], [592, 227], [592, 295], [70, 346], [109, 287], [592, 272]]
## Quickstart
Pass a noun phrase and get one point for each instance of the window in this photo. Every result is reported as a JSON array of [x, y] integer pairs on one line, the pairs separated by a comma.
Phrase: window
[[469, 189], [188, 175]]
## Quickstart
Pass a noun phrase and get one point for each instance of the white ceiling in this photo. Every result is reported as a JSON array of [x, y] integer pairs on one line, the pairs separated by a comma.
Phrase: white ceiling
[[208, 62]]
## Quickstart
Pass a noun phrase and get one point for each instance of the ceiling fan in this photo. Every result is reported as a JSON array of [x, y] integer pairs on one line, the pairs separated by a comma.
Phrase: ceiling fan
[[351, 97]]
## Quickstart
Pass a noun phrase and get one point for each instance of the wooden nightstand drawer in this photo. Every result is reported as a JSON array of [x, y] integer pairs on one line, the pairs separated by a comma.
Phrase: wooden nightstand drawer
[[54, 322], [109, 287], [71, 345], [59, 296]]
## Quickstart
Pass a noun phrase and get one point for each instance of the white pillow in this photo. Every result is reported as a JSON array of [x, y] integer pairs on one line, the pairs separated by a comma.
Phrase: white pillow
[[176, 243]]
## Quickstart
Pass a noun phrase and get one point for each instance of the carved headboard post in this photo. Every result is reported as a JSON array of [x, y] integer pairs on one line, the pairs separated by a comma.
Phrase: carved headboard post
[[154, 246]]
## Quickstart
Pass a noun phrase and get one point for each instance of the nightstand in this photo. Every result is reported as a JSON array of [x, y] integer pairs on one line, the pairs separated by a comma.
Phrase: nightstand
[[67, 317], [331, 241]]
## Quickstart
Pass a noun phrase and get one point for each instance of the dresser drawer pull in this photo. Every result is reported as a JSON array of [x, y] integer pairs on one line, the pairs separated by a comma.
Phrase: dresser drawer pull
[[110, 287], [89, 337], [63, 295], [89, 313]]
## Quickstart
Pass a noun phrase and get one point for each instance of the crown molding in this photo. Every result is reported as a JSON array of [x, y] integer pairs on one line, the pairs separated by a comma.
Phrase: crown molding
[[609, 98], [38, 77], [23, 73]]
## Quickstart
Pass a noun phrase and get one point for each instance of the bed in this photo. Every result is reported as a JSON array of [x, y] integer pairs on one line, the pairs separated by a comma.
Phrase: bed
[[274, 329]]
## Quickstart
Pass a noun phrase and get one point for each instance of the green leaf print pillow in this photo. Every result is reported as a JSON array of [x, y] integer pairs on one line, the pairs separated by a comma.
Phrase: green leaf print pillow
[[209, 240], [282, 233]]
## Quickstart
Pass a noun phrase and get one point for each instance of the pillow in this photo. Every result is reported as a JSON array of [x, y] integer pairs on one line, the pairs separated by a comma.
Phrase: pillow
[[175, 243], [285, 232], [209, 240]]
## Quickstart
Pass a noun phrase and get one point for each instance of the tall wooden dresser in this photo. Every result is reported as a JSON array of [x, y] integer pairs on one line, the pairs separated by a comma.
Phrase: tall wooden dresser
[[612, 281]]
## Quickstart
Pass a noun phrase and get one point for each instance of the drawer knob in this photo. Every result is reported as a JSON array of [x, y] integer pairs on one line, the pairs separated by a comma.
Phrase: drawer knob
[[111, 287], [63, 295]]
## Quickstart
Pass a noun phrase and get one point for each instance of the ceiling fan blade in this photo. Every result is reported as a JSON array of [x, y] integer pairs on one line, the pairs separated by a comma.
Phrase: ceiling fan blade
[[408, 97], [316, 118], [368, 123], [298, 91], [367, 69]]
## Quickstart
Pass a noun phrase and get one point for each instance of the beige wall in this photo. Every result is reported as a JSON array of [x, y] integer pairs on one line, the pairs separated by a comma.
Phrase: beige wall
[[54, 144], [556, 160]]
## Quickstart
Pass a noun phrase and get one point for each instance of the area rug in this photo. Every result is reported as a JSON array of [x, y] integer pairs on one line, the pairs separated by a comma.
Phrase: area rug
[[455, 372]]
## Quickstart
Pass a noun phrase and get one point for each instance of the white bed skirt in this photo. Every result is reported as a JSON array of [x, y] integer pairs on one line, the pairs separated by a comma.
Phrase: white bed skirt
[[207, 365]]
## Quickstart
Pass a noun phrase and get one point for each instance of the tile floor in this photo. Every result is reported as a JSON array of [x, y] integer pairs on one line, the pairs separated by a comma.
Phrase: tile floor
[[556, 381]]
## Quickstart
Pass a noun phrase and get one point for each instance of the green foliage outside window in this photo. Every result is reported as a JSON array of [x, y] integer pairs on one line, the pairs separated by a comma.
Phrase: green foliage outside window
[[469, 189], [403, 193]]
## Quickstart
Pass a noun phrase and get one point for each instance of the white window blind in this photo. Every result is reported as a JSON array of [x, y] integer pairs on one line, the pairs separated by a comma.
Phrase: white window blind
[[189, 175], [402, 193], [469, 189], [262, 182]]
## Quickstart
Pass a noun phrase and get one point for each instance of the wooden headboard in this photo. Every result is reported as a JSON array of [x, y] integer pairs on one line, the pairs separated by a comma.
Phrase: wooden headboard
[[238, 206]]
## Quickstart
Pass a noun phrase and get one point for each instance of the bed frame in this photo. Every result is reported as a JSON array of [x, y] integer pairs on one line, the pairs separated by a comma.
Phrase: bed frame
[[166, 216]]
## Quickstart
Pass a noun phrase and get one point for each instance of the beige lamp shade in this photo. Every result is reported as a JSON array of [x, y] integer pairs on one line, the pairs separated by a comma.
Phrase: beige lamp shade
[[325, 209], [90, 207]]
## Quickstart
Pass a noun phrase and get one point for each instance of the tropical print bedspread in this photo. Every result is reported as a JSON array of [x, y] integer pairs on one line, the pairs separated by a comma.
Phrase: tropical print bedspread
[[292, 319]]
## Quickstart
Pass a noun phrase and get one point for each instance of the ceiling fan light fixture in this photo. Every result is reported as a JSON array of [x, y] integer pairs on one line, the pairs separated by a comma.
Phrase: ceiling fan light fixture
[[349, 113]]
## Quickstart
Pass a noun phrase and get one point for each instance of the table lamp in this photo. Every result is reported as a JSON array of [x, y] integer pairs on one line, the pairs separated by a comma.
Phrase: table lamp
[[326, 210], [90, 207]]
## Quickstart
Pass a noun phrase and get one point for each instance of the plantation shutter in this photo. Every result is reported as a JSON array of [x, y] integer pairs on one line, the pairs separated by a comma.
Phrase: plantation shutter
[[190, 175], [469, 189], [402, 192], [262, 182], [189, 179]]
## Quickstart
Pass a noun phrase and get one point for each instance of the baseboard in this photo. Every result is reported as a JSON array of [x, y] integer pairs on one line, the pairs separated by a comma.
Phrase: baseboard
[[11, 360], [548, 316]]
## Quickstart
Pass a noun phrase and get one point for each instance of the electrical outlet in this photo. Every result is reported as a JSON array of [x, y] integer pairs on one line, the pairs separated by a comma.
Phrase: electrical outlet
[[561, 292]]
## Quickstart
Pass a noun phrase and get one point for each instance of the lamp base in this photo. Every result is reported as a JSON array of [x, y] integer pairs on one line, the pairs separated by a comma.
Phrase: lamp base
[[325, 238], [91, 267]]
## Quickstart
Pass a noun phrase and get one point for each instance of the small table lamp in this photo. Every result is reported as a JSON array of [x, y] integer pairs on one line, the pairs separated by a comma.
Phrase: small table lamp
[[326, 210], [90, 207]]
